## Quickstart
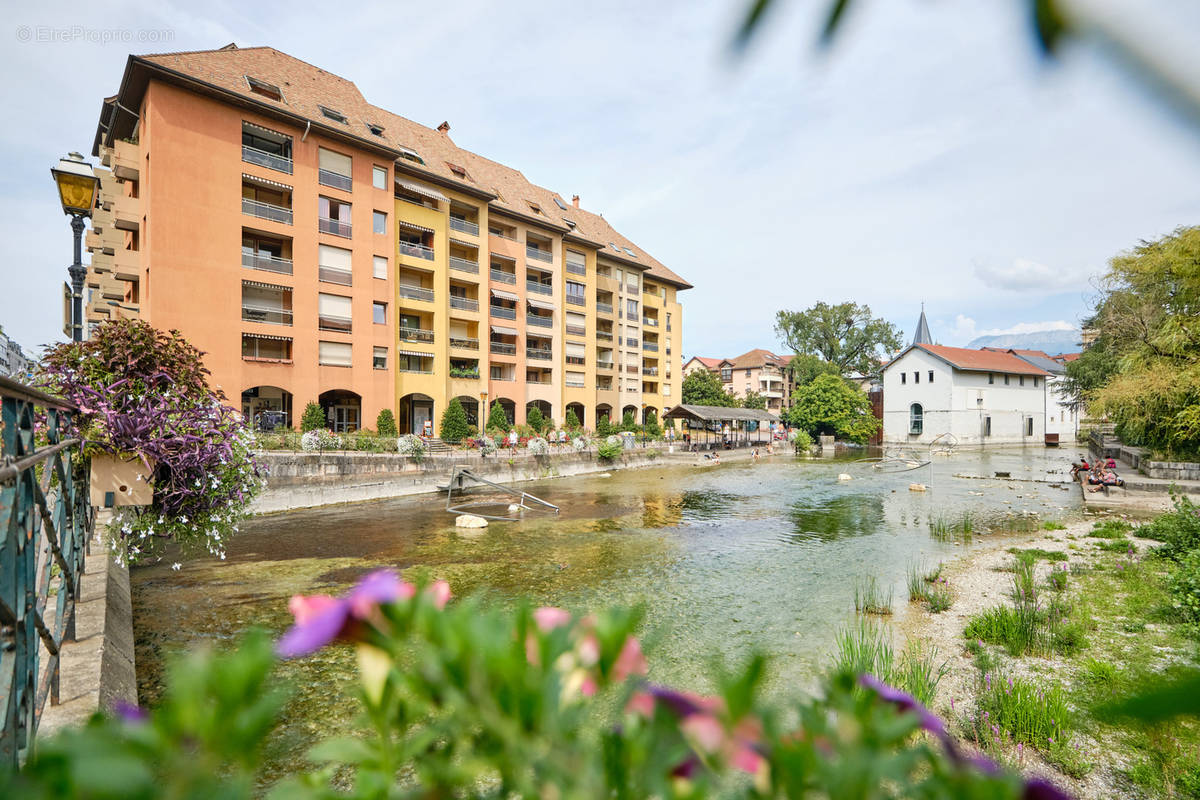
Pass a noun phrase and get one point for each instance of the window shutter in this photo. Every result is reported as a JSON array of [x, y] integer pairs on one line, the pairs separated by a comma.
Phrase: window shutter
[[336, 162], [334, 354], [333, 305], [576, 349], [335, 258], [380, 266]]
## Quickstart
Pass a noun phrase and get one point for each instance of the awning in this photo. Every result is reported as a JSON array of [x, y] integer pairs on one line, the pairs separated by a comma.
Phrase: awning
[[503, 331], [471, 245], [405, 224], [505, 295], [414, 353], [424, 191], [539, 304], [719, 414], [268, 336], [260, 285], [264, 182], [266, 131]]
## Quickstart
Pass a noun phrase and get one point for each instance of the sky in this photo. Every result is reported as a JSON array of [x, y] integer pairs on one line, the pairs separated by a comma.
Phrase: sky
[[930, 155]]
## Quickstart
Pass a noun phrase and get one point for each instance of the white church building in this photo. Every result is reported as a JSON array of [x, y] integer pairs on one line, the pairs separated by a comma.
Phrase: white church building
[[981, 397]]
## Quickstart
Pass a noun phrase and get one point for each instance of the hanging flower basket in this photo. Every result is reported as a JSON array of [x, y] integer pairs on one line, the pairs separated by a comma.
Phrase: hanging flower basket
[[121, 481]]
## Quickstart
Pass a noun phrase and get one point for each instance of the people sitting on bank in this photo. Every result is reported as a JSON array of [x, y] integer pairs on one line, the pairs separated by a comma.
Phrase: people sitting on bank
[[1079, 466], [1110, 463], [1102, 477]]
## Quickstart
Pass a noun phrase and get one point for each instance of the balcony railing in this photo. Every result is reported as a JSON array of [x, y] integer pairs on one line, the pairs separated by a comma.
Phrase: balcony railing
[[333, 322], [257, 208], [650, 371], [577, 330], [46, 523], [577, 360], [604, 335], [576, 300], [575, 384], [504, 277], [464, 303], [537, 254], [414, 292], [604, 365], [503, 348], [464, 375], [464, 225], [416, 335], [252, 155], [539, 288], [653, 348], [415, 250], [501, 235], [271, 316], [604, 308], [631, 342], [338, 276], [464, 265], [267, 262], [335, 226], [335, 179], [576, 269], [539, 322], [464, 344], [501, 312], [539, 354], [415, 370], [651, 321]]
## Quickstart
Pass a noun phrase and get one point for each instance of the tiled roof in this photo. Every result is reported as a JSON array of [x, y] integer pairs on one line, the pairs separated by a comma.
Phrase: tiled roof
[[981, 360], [757, 357], [1067, 358], [305, 88], [710, 363]]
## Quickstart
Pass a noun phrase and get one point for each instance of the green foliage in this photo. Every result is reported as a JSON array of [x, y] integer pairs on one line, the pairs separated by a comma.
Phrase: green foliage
[[829, 405], [454, 427], [535, 420], [1053, 525], [608, 451], [604, 427], [652, 428], [571, 421], [628, 423], [1110, 529], [869, 598], [1184, 586], [754, 400], [1021, 711], [385, 424], [867, 649], [313, 419], [704, 388], [801, 441], [497, 419], [844, 335], [1178, 530], [807, 368]]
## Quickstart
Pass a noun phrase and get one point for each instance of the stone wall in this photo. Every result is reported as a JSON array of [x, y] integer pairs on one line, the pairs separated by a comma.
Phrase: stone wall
[[1172, 470]]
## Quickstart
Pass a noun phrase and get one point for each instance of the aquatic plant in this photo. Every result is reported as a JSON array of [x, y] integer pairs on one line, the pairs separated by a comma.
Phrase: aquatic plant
[[869, 598], [867, 649], [938, 597]]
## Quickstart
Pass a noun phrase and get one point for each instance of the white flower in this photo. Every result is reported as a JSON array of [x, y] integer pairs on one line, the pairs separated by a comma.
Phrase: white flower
[[176, 566]]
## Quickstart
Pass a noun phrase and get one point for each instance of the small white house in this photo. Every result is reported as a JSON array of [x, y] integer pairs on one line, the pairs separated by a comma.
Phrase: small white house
[[982, 397]]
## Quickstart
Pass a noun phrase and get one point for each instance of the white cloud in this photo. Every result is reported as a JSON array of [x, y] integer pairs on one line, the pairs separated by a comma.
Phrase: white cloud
[[1027, 275], [963, 330], [1029, 327]]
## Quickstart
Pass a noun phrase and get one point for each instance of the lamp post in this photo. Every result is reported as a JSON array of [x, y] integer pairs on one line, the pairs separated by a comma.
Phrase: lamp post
[[643, 426], [77, 188]]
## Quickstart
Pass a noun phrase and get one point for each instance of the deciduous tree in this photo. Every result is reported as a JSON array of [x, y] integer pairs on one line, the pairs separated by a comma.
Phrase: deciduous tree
[[844, 335], [831, 406], [704, 388]]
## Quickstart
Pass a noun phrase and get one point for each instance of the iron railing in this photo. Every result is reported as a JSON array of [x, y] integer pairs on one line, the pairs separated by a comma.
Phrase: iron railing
[[257, 208], [416, 250], [464, 225], [275, 161], [336, 180], [45, 524]]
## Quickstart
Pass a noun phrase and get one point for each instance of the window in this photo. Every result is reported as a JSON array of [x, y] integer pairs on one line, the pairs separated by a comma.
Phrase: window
[[630, 252], [265, 89], [747, 373], [1006, 380], [379, 313], [576, 293], [379, 177], [916, 377], [1020, 380], [1035, 381], [334, 265], [987, 426], [991, 378], [333, 313], [334, 217], [535, 208], [274, 348], [266, 147], [333, 114], [379, 222], [459, 172], [558, 202], [408, 154], [381, 267], [379, 357], [916, 419], [334, 354], [631, 308], [727, 375], [1029, 426], [375, 129], [668, 322], [903, 378], [576, 263], [931, 376], [335, 169]]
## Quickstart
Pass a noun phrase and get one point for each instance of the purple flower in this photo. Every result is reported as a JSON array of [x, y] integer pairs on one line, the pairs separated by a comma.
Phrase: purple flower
[[906, 702], [130, 712], [1042, 789], [320, 619]]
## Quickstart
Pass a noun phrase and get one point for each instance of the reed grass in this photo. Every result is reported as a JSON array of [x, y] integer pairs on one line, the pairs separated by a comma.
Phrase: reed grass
[[869, 598]]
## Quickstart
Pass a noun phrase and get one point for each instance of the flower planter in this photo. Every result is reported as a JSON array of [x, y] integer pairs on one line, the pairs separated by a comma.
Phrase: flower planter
[[118, 481]]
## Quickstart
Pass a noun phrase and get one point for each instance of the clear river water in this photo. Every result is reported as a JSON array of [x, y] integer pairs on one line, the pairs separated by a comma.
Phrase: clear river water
[[724, 558]]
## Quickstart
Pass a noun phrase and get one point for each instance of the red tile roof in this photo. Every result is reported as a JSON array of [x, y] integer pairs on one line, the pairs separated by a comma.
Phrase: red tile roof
[[1015, 352], [982, 360], [711, 363], [757, 357], [1067, 357]]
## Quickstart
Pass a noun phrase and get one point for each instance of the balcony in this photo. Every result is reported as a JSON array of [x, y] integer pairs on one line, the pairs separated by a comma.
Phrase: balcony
[[464, 303], [604, 336], [539, 288], [334, 179], [464, 225], [631, 342], [503, 348], [578, 361], [252, 155], [538, 254], [270, 316], [414, 371], [416, 335], [415, 292], [604, 308], [604, 365], [576, 269], [331, 275], [653, 371], [464, 344], [333, 322], [539, 354], [577, 330], [257, 208], [539, 322], [500, 312], [335, 226], [576, 300], [269, 263], [651, 321], [415, 250], [653, 348], [463, 264], [504, 277]]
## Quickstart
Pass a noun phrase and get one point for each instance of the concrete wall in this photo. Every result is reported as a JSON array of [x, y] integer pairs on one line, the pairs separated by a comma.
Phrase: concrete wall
[[306, 480]]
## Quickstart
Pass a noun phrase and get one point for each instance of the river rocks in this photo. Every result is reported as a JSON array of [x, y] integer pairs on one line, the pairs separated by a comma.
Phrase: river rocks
[[604, 475], [845, 476], [916, 487], [470, 521], [514, 508]]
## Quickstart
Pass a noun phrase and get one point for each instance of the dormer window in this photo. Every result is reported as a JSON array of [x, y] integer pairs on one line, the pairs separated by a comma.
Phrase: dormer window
[[535, 208], [459, 172], [375, 129], [560, 203], [268, 90], [570, 223], [333, 114]]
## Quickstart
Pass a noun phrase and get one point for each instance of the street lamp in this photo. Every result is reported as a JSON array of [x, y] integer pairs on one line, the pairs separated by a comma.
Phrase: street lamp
[[77, 187], [643, 425]]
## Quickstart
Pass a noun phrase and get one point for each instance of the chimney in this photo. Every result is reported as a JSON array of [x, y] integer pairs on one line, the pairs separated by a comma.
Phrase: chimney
[[575, 200], [444, 127]]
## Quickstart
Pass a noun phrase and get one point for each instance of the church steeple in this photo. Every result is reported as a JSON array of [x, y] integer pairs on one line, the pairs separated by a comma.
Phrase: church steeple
[[922, 335]]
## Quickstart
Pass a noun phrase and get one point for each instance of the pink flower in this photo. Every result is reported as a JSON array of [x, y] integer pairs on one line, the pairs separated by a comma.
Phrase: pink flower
[[640, 703], [440, 592], [321, 619], [547, 618], [630, 661], [704, 731]]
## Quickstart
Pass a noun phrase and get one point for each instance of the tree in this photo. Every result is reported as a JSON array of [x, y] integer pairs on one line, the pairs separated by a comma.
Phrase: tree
[[628, 423], [754, 400], [497, 419], [829, 405], [385, 423], [807, 367], [704, 388], [454, 426], [652, 426], [535, 420], [604, 427], [571, 421], [313, 419], [844, 335]]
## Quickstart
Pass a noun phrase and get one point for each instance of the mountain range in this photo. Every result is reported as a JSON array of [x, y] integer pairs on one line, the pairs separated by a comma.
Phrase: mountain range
[[1050, 342]]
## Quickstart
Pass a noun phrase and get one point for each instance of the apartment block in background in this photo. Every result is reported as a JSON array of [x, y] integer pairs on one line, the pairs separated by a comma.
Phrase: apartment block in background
[[319, 248], [758, 370]]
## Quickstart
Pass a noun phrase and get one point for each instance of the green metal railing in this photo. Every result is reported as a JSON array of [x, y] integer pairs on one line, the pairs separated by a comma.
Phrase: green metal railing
[[45, 525]]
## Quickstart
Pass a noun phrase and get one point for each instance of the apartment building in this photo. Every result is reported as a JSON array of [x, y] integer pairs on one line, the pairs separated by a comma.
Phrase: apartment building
[[381, 266], [759, 371], [13, 361]]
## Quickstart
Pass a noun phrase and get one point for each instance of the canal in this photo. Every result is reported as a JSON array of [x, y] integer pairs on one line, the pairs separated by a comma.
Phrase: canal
[[724, 558]]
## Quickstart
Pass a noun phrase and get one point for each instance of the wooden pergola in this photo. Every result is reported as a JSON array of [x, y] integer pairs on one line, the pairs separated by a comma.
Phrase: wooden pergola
[[731, 423]]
